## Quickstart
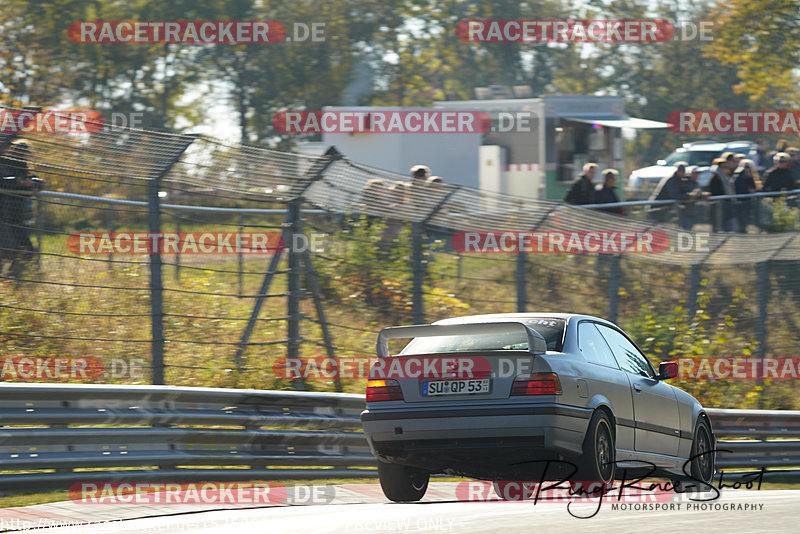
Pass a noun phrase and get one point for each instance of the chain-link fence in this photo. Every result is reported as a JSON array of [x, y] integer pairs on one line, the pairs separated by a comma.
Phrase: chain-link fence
[[305, 258]]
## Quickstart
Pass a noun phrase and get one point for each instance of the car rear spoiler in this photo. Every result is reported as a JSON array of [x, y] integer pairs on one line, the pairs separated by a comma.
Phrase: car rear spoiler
[[535, 339]]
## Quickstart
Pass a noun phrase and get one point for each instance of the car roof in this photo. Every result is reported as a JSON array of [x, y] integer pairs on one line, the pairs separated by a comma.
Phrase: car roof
[[497, 317]]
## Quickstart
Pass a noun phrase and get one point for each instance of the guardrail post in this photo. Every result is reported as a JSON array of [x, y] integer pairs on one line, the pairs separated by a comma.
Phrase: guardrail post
[[418, 274], [613, 288], [694, 289], [156, 281], [762, 271], [519, 276]]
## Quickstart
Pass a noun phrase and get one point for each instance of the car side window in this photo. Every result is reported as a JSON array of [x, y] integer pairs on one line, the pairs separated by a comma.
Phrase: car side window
[[593, 346], [626, 353]]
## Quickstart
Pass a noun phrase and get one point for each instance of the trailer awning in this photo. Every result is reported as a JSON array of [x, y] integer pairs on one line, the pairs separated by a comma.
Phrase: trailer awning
[[618, 122]]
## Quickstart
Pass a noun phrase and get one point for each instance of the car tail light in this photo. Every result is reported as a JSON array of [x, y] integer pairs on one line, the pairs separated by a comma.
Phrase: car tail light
[[536, 384], [383, 390]]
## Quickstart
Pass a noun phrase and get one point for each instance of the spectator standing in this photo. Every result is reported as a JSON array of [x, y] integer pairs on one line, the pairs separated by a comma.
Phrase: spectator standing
[[794, 163], [607, 195], [763, 160], [687, 212], [17, 183], [779, 176], [744, 183], [723, 216], [669, 188], [582, 190]]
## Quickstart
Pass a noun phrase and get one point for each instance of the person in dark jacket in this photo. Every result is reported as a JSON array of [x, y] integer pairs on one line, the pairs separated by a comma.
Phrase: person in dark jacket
[[688, 209], [669, 188], [16, 186], [723, 214], [779, 176], [744, 183], [607, 195], [582, 190]]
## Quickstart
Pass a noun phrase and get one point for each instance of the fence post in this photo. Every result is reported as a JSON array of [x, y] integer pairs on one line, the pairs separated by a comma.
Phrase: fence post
[[241, 256], [178, 251], [294, 293], [418, 274], [39, 224], [694, 289], [156, 281], [316, 292], [519, 276], [762, 271], [156, 284], [110, 227], [315, 173], [613, 288]]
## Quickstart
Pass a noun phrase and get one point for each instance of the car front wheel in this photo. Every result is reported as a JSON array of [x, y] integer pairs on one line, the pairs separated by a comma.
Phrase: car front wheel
[[401, 483], [703, 453]]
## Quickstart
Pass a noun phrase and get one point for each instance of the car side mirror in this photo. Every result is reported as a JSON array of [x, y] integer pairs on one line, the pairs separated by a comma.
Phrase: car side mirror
[[667, 370], [661, 162]]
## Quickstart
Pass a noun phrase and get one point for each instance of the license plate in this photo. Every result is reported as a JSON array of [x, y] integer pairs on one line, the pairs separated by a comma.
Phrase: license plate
[[455, 387]]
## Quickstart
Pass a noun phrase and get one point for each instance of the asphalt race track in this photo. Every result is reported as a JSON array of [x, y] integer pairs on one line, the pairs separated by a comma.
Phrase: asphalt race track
[[735, 511]]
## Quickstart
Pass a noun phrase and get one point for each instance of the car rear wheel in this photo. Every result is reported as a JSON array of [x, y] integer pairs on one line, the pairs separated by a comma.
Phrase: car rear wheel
[[599, 454], [402, 483]]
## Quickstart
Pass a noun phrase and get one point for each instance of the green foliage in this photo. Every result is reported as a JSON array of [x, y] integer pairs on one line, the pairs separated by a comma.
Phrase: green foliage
[[779, 216], [673, 335]]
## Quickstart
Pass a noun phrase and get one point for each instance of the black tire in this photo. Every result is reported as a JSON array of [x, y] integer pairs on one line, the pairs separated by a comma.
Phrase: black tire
[[599, 452], [702, 467], [401, 483]]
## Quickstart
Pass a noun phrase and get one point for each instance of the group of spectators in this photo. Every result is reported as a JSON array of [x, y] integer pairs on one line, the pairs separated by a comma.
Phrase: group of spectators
[[383, 197], [16, 205], [584, 191], [731, 174]]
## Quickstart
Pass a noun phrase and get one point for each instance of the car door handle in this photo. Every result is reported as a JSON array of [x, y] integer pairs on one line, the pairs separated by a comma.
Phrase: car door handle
[[637, 387]]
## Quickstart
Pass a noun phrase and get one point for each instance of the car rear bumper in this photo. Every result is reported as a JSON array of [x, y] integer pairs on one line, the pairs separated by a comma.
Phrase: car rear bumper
[[460, 438]]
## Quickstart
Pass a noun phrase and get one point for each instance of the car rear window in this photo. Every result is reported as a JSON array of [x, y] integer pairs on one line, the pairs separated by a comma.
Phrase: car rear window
[[552, 330]]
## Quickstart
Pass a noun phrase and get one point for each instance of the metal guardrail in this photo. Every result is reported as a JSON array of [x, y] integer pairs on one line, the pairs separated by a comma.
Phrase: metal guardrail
[[176, 433], [55, 434], [757, 438]]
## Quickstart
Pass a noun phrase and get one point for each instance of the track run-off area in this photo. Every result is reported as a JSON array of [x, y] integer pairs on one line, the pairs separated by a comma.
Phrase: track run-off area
[[447, 507]]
